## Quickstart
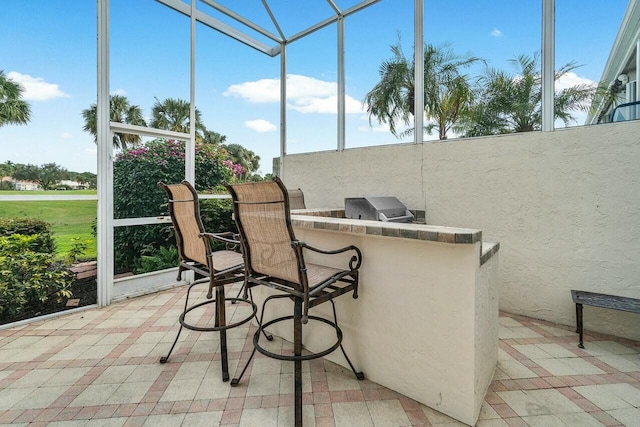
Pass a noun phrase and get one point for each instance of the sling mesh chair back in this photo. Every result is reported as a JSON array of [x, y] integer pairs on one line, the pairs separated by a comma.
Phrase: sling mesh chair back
[[275, 258], [217, 268], [296, 199]]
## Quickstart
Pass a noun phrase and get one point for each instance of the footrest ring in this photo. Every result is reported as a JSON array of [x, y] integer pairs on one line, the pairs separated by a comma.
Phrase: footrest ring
[[222, 327], [309, 356]]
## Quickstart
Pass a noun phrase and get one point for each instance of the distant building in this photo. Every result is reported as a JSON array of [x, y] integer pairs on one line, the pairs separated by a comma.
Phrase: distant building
[[74, 185], [21, 185], [621, 73]]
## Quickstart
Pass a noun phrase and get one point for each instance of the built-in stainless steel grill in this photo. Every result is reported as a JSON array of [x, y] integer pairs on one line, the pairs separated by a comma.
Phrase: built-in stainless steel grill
[[386, 208]]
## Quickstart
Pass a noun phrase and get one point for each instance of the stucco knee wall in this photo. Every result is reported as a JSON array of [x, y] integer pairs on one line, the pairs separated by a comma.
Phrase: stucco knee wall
[[564, 205]]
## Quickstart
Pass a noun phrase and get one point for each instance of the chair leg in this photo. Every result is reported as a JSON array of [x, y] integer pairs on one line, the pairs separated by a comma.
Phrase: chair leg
[[179, 278], [239, 292], [269, 337], [164, 359], [266, 334], [297, 351], [579, 326], [359, 375], [220, 320]]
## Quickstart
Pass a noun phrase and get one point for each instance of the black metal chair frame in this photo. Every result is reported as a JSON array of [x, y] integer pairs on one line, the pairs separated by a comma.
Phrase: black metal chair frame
[[303, 298], [217, 280]]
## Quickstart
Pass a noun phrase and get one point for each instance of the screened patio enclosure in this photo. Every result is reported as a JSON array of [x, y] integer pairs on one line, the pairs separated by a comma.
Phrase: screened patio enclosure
[[261, 26]]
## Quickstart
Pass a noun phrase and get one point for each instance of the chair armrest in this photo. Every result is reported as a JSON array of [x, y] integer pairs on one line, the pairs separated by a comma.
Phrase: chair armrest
[[354, 262], [232, 240]]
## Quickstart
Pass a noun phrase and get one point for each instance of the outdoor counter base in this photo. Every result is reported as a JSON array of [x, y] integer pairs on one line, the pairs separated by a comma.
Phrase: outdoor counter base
[[426, 320]]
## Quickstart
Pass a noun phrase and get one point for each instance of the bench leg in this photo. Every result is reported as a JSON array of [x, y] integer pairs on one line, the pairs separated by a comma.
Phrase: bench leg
[[579, 325]]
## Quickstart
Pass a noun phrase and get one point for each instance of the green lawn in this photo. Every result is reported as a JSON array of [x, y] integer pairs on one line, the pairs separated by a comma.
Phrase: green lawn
[[69, 219], [29, 193]]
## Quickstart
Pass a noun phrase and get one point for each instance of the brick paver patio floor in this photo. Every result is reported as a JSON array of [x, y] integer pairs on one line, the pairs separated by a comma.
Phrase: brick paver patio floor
[[100, 367]]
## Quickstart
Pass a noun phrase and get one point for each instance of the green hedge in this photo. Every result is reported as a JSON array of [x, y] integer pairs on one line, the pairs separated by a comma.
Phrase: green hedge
[[28, 227], [28, 277]]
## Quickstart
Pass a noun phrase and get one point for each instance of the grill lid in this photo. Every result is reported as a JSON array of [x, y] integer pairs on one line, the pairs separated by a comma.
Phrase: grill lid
[[387, 208]]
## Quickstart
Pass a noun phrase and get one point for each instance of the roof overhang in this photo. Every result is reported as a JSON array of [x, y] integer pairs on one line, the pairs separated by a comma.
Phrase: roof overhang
[[623, 56]]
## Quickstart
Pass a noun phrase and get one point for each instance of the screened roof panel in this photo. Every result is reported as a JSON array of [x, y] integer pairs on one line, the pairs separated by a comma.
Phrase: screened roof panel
[[274, 19], [296, 16], [265, 24], [291, 16], [251, 10]]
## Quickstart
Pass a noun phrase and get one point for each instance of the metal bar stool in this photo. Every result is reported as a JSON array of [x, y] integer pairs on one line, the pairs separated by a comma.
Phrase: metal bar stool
[[275, 258], [218, 268]]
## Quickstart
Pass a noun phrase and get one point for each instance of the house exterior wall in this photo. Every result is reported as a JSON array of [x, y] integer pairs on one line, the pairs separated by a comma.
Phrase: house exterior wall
[[564, 205], [26, 186]]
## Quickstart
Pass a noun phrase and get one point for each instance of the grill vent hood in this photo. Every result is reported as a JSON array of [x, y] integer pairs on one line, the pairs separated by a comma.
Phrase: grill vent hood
[[386, 208]]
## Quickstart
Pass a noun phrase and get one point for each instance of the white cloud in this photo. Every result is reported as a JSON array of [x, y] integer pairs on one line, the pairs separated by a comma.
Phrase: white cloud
[[304, 94], [260, 91], [65, 135], [260, 126], [120, 92], [571, 79], [35, 88], [495, 33], [325, 105]]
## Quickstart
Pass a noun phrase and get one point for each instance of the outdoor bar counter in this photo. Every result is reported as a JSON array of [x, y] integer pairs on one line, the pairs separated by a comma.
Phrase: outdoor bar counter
[[426, 320]]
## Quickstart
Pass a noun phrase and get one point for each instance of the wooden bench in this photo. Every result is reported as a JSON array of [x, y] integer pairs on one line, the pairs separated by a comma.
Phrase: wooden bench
[[601, 300]]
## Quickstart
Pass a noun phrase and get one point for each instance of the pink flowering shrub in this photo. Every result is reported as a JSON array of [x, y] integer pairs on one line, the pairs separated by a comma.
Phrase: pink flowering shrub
[[236, 169], [136, 174]]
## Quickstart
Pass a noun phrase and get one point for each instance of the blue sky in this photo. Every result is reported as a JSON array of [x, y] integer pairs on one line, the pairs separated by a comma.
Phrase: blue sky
[[50, 47]]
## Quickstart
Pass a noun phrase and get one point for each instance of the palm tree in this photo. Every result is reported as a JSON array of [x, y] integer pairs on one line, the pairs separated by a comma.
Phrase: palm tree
[[120, 111], [606, 95], [213, 138], [513, 103], [13, 110], [447, 92], [174, 114], [244, 157]]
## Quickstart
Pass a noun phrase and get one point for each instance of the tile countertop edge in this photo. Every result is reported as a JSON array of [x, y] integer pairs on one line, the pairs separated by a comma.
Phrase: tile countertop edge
[[488, 250], [330, 220]]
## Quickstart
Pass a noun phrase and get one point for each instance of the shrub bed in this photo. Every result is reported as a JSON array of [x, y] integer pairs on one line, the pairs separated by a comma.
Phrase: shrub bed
[[29, 227], [29, 275]]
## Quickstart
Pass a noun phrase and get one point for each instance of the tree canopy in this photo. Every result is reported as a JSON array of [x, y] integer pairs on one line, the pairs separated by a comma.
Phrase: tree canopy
[[509, 102], [447, 91], [495, 103], [174, 115], [121, 111], [243, 157], [13, 109], [47, 175]]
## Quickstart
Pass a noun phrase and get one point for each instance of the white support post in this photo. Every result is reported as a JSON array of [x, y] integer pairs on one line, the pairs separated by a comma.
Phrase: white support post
[[637, 71], [283, 108], [190, 145], [418, 58], [105, 162], [341, 86], [548, 64]]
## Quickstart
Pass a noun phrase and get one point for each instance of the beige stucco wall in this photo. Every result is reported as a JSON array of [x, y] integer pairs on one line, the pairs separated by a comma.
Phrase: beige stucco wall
[[564, 205]]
